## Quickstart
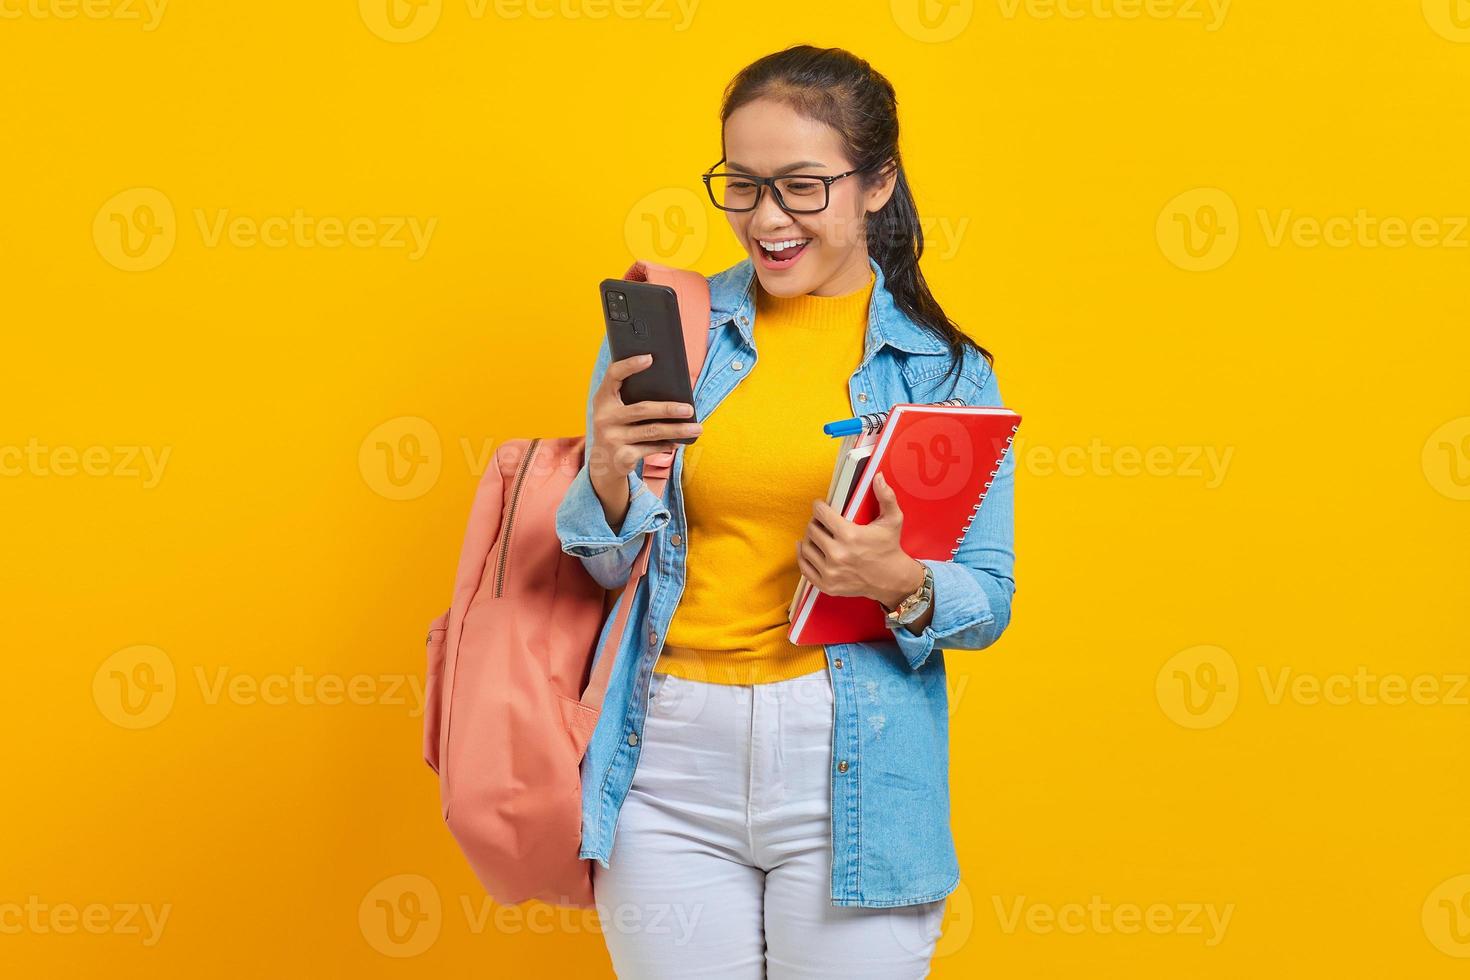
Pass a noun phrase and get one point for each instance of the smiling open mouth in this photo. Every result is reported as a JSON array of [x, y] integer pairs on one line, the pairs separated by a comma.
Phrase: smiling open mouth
[[782, 253]]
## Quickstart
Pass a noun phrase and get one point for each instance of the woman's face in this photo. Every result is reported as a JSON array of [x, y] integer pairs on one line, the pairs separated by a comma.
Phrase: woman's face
[[767, 139]]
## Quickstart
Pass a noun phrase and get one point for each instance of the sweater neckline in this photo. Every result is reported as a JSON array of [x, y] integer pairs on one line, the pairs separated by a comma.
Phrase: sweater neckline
[[816, 312]]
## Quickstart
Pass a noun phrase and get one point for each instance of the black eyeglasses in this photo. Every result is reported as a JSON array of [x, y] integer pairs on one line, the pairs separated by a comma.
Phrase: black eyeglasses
[[809, 193]]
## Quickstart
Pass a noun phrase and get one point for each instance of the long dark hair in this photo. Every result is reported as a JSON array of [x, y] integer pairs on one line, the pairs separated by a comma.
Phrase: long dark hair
[[836, 87]]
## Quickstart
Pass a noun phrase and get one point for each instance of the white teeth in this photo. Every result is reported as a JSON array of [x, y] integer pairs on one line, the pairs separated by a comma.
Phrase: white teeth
[[789, 243]]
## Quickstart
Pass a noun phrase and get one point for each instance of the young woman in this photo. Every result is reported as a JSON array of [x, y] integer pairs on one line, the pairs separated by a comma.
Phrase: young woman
[[758, 808]]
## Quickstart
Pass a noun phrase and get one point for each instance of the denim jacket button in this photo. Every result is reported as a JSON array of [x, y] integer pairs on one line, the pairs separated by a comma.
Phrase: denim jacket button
[[633, 739], [674, 540], [837, 663], [737, 365], [862, 396], [842, 766]]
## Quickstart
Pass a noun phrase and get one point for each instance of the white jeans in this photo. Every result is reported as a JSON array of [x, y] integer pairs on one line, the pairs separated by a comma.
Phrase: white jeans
[[721, 863]]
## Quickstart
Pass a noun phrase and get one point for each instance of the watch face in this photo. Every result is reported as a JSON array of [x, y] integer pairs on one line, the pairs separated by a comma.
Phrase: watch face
[[913, 606]]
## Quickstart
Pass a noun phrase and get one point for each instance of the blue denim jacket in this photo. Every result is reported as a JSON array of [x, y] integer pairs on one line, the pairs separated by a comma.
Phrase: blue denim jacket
[[891, 838]]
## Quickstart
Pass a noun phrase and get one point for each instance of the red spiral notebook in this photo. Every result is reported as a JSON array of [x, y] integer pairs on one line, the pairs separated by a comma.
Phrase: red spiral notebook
[[940, 460]]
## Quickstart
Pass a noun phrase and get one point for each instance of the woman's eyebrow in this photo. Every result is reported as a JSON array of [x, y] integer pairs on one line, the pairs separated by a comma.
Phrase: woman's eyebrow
[[786, 169]]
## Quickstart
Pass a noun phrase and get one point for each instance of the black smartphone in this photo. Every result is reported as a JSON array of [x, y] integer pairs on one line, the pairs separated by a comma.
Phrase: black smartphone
[[643, 318]]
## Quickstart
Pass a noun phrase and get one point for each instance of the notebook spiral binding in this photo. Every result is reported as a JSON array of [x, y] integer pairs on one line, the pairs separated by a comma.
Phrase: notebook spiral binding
[[983, 491], [873, 421]]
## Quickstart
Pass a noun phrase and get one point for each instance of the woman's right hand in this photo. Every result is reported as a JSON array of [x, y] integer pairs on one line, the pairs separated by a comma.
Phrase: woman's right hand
[[621, 436]]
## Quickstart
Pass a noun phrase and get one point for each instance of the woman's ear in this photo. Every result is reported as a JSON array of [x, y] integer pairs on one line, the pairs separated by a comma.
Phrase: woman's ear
[[875, 197]]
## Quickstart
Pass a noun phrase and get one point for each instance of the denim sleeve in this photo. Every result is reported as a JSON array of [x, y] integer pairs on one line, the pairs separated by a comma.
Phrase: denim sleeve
[[972, 592], [581, 524]]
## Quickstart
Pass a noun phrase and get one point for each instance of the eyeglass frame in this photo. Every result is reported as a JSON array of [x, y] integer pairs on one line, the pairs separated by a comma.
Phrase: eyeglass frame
[[762, 182]]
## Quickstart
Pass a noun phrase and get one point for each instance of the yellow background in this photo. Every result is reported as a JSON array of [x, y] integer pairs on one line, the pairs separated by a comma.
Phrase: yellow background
[[1065, 155]]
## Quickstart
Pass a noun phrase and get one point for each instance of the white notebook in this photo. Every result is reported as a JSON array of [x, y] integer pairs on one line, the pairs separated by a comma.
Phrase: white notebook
[[852, 456]]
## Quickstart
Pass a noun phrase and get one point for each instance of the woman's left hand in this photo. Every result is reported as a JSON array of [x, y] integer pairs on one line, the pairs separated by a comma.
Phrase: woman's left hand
[[843, 558]]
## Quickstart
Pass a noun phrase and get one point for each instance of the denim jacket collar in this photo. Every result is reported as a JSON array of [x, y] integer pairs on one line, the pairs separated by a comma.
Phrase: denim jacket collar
[[732, 299]]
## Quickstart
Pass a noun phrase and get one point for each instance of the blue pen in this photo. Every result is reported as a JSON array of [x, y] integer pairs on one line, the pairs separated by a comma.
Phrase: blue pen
[[872, 421], [846, 427]]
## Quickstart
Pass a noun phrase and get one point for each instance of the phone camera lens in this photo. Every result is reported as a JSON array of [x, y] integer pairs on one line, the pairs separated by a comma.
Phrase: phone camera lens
[[617, 306]]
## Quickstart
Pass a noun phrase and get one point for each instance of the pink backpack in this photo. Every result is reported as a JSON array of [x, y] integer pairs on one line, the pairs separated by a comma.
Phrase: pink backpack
[[510, 704]]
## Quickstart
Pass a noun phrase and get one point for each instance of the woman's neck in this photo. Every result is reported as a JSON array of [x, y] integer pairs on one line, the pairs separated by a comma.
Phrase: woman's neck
[[856, 276]]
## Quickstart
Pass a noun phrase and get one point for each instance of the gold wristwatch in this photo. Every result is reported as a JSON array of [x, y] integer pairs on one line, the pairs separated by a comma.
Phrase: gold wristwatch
[[913, 606]]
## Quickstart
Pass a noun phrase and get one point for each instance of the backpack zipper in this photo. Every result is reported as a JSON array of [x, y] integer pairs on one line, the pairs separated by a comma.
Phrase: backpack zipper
[[510, 516]]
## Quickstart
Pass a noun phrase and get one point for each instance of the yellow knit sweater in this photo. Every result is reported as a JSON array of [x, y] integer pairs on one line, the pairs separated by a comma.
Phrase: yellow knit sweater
[[749, 482]]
